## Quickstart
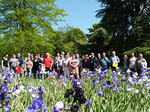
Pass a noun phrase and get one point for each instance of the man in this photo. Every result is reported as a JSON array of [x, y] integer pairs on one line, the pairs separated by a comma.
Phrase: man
[[140, 63], [63, 53], [69, 56], [48, 62], [103, 62], [26, 59], [79, 66], [132, 61], [58, 56], [92, 62], [98, 59], [114, 60], [20, 60], [60, 64], [31, 57]]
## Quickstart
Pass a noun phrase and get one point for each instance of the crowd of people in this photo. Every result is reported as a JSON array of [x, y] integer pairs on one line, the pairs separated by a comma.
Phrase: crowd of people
[[70, 65]]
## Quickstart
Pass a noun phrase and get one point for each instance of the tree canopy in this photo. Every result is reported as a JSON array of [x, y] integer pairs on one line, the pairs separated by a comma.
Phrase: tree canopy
[[26, 25], [127, 23]]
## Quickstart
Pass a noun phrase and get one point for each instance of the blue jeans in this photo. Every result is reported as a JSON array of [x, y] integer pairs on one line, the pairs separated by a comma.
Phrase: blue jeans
[[26, 73], [125, 70], [104, 68], [17, 76]]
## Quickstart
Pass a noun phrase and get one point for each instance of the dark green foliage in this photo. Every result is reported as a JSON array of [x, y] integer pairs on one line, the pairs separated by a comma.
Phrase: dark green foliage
[[127, 23]]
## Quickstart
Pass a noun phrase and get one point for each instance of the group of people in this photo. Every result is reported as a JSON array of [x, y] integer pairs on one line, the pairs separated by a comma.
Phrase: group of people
[[134, 64], [70, 65]]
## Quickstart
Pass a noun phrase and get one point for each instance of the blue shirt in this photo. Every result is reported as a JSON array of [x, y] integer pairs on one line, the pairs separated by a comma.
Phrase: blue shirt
[[103, 62], [78, 60], [21, 61]]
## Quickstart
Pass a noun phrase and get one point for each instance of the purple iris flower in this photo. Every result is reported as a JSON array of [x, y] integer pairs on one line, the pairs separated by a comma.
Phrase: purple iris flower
[[3, 73], [104, 84], [95, 86], [116, 89], [111, 86], [133, 81], [41, 89], [11, 80], [117, 83], [123, 72], [37, 73], [5, 90], [88, 102], [71, 77], [7, 109], [123, 79], [100, 93]]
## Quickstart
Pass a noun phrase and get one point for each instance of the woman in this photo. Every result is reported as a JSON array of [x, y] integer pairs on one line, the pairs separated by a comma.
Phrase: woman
[[55, 64], [4, 63], [13, 62], [85, 63], [74, 67], [125, 65], [35, 66], [28, 67], [66, 67], [41, 62], [83, 57]]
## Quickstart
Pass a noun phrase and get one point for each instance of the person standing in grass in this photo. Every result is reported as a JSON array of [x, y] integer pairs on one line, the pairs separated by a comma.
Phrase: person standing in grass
[[132, 61], [48, 62], [92, 62], [114, 61], [140, 63], [85, 64], [125, 65], [28, 67], [74, 67], [60, 64], [41, 62], [79, 65], [4, 63], [103, 62], [58, 56], [83, 57], [98, 59], [66, 67], [35, 67], [26, 59], [20, 60], [55, 64], [63, 54], [17, 70], [31, 57], [13, 62]]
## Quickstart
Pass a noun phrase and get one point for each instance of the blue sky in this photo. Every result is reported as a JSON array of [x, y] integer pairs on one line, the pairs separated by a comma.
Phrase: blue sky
[[81, 13]]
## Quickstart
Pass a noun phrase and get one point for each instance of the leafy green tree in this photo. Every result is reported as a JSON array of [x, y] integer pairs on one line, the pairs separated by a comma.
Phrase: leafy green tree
[[26, 25], [126, 21], [70, 39], [98, 38]]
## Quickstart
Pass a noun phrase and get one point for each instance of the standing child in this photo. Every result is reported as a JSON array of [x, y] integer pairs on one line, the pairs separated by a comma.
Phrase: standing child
[[17, 70]]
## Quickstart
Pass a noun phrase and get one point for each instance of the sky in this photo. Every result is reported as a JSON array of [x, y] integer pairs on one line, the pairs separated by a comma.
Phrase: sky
[[81, 13]]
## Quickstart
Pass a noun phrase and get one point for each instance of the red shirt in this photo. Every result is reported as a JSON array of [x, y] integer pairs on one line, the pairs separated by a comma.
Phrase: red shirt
[[17, 70], [48, 62]]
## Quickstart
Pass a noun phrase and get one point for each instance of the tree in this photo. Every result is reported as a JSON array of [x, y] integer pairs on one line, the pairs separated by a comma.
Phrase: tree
[[71, 40], [126, 21], [98, 38], [25, 25]]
